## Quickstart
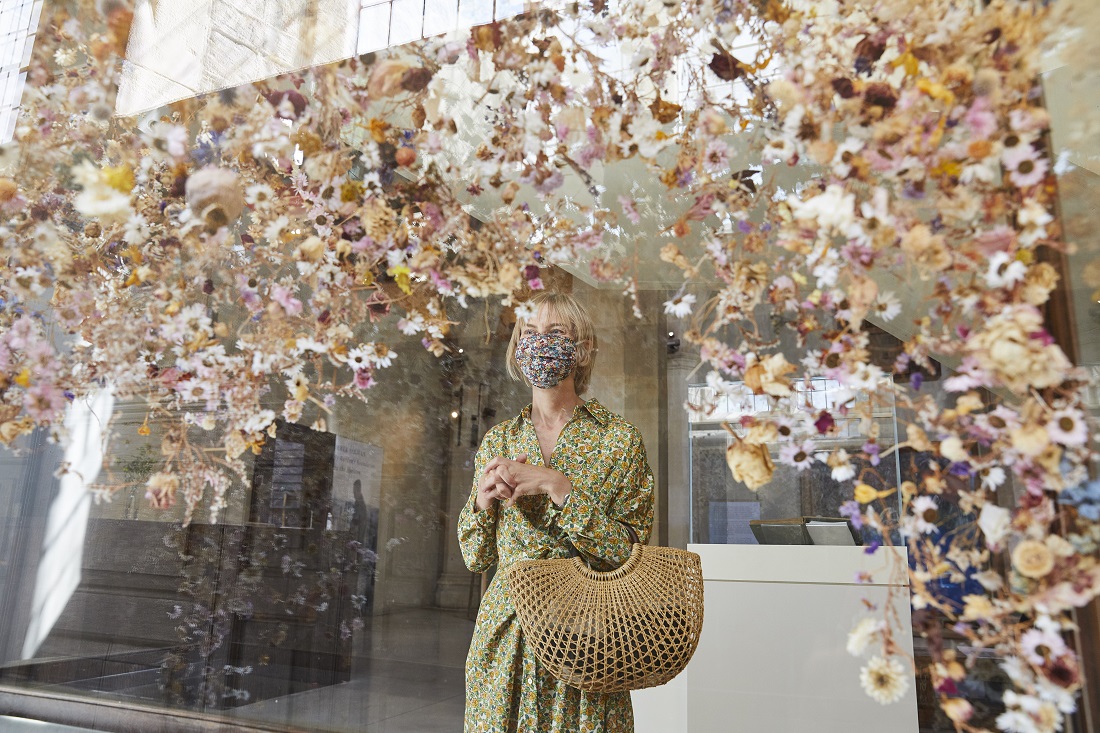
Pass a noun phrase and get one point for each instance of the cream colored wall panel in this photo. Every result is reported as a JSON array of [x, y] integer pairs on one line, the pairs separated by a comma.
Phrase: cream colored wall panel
[[775, 660], [794, 563], [772, 652]]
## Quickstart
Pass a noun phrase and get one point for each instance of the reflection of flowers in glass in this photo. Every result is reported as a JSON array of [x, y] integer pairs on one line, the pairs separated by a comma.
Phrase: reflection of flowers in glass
[[215, 194], [883, 680], [832, 209], [1033, 559]]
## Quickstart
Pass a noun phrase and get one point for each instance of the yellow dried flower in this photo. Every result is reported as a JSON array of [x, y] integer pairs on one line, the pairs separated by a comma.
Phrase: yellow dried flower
[[1032, 559], [120, 178], [865, 493], [977, 607]]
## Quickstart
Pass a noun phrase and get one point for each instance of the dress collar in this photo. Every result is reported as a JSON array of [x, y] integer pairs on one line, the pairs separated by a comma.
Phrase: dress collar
[[593, 407]]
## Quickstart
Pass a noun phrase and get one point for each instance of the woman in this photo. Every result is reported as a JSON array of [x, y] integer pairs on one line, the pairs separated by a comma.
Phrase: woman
[[564, 474]]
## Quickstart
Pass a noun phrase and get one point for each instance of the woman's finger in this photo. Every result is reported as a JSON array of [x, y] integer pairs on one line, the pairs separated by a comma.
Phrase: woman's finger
[[505, 476]]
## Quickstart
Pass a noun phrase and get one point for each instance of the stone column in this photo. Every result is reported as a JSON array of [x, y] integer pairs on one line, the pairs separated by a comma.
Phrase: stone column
[[678, 366]]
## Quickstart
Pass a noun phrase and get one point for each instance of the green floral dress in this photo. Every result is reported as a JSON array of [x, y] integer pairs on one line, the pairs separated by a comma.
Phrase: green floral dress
[[603, 456]]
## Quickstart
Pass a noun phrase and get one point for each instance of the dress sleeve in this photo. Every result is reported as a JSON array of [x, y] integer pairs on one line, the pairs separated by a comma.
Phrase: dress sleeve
[[477, 531], [596, 530]]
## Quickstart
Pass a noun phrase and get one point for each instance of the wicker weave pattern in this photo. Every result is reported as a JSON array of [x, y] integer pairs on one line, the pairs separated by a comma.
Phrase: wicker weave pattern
[[628, 629]]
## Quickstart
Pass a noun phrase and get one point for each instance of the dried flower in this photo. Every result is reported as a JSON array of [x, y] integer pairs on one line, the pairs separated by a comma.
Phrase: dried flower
[[995, 523], [1032, 559], [386, 78], [215, 195], [862, 634], [769, 376], [883, 680], [749, 464]]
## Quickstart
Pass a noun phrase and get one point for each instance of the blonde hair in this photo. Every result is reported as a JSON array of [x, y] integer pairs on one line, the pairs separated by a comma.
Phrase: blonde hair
[[581, 329]]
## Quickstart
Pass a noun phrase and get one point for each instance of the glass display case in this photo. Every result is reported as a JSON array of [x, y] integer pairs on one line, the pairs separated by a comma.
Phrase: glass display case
[[803, 485]]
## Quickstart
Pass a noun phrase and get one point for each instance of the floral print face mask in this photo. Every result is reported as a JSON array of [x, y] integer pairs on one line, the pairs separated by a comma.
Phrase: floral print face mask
[[546, 358]]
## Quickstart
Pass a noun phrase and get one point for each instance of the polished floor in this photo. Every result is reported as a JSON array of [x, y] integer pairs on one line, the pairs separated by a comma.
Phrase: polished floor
[[407, 678], [22, 725]]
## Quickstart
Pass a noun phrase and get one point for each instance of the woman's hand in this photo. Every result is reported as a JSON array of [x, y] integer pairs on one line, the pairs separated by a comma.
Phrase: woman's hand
[[520, 478], [491, 486]]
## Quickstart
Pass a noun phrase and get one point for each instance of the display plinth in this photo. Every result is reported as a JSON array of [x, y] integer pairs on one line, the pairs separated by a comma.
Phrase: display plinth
[[772, 652]]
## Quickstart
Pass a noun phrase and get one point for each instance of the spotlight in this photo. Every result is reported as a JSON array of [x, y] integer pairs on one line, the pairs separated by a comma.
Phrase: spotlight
[[454, 414], [672, 343]]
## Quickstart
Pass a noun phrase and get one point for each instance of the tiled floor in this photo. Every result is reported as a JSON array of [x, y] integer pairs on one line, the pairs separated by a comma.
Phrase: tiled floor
[[407, 679]]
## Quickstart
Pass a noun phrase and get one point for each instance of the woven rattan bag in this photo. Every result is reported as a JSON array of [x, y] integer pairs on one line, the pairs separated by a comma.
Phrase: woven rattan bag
[[627, 629]]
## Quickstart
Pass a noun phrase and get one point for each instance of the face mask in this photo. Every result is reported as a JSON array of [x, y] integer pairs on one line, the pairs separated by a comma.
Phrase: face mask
[[546, 359]]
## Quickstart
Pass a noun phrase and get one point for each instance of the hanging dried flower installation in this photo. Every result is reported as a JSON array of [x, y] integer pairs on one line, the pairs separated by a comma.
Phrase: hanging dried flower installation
[[810, 166]]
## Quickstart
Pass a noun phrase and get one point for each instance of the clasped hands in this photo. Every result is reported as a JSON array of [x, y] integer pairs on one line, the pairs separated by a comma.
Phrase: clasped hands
[[507, 480]]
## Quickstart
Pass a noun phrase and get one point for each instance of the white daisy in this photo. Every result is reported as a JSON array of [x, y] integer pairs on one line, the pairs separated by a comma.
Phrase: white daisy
[[680, 306], [358, 358], [1041, 645], [381, 355], [925, 514], [1004, 271], [274, 230], [788, 427], [259, 195], [1067, 427], [136, 230], [845, 155], [304, 344], [1026, 169], [884, 680], [886, 306], [800, 455], [1033, 214]]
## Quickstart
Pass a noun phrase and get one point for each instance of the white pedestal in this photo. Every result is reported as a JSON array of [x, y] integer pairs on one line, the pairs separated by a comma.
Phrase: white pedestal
[[771, 656]]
